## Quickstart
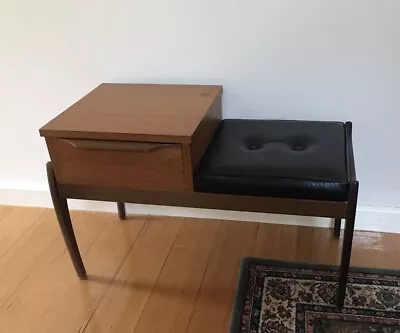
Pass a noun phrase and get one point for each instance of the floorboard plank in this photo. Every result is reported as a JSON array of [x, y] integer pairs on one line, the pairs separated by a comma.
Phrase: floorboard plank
[[22, 259], [304, 246], [17, 223], [265, 240], [161, 275], [51, 277], [175, 292], [4, 211], [325, 248], [123, 304], [102, 261], [285, 243], [377, 250], [234, 240]]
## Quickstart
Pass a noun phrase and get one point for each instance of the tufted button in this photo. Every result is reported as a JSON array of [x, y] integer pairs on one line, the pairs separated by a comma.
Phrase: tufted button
[[253, 146], [299, 148]]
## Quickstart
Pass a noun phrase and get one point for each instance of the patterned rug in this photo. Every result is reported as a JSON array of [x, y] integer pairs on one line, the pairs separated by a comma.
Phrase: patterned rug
[[281, 297]]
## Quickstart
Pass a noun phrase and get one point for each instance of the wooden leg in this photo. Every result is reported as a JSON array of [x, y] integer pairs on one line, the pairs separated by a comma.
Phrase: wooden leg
[[347, 244], [336, 230], [64, 220], [121, 210]]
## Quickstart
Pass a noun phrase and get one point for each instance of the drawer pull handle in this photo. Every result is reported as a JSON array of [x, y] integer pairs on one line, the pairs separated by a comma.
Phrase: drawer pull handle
[[142, 147]]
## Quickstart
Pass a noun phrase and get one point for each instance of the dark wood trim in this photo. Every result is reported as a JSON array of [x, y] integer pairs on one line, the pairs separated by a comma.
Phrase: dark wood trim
[[347, 243], [210, 201], [64, 220], [121, 210], [336, 229], [351, 168]]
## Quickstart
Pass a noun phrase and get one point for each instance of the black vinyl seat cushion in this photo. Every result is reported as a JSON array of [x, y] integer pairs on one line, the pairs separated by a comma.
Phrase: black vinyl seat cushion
[[276, 158]]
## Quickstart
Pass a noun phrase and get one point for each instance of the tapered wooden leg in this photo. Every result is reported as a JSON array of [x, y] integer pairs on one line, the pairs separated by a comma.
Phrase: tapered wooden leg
[[64, 220], [347, 244], [336, 230], [121, 210]]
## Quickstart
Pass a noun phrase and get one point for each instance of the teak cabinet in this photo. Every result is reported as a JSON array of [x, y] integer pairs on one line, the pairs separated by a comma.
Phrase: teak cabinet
[[145, 137]]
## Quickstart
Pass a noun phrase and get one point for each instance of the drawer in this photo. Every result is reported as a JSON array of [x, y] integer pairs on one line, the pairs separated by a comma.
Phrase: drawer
[[118, 164]]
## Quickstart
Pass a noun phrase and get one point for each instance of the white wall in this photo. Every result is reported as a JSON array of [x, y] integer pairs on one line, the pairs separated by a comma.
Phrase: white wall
[[309, 59]]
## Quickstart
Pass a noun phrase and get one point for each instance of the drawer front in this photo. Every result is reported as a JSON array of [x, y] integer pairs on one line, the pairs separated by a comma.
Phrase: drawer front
[[135, 165]]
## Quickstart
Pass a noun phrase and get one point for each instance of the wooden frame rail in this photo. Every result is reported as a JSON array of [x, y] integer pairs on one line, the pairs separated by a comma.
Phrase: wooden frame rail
[[209, 201]]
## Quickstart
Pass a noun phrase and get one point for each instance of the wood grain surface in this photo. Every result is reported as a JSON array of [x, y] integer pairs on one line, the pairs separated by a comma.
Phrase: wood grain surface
[[208, 200], [160, 168], [138, 112], [148, 274], [205, 131]]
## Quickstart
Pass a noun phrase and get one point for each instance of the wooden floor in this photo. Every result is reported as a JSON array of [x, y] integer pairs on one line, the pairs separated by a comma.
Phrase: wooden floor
[[147, 274]]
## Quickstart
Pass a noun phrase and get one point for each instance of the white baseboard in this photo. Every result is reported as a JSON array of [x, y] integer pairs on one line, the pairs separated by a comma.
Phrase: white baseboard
[[371, 218]]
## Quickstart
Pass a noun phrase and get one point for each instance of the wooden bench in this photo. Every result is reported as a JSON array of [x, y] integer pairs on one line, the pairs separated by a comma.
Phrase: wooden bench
[[168, 145]]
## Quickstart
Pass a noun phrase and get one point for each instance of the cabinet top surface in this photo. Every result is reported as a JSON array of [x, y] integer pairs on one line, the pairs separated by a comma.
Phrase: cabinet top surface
[[122, 111]]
